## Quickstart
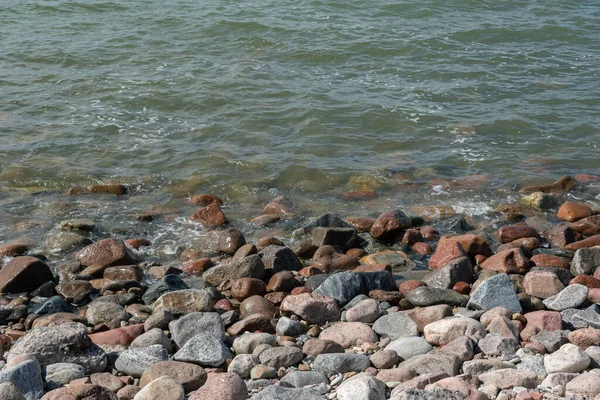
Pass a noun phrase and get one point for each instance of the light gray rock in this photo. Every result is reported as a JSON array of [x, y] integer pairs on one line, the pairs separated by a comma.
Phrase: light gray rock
[[478, 367], [495, 291], [448, 329], [509, 378], [590, 316], [192, 324], [246, 343], [153, 336], [552, 340], [361, 387], [569, 358], [276, 392], [594, 353], [496, 345], [289, 327], [340, 363], [558, 378], [300, 379], [433, 362], [242, 364], [367, 311], [135, 361], [27, 377], [8, 391], [62, 343], [421, 394], [395, 325], [277, 357], [570, 297], [585, 261], [59, 374], [409, 347], [534, 364], [204, 349]]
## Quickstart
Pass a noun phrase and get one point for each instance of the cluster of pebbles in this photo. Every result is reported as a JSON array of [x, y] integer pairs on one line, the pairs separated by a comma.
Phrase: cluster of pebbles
[[341, 309]]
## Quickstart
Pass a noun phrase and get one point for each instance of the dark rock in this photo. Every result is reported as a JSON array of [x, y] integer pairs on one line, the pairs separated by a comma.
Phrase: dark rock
[[280, 258], [428, 296], [24, 273], [457, 270], [169, 283]]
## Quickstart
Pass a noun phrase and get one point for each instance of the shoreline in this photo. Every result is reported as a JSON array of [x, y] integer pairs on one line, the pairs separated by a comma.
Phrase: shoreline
[[342, 304]]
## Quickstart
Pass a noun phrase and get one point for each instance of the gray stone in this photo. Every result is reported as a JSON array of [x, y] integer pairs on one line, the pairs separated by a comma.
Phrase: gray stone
[[569, 320], [355, 301], [300, 379], [52, 305], [192, 324], [246, 343], [61, 241], [62, 343], [327, 220], [289, 327], [168, 283], [570, 297], [434, 361], [478, 367], [395, 325], [277, 357], [280, 258], [106, 312], [335, 363], [594, 353], [534, 364], [59, 374], [204, 349], [8, 391], [248, 267], [158, 319], [342, 237], [428, 296], [135, 361], [276, 392], [495, 291], [361, 387], [345, 286], [552, 340], [151, 337], [496, 345], [408, 347], [585, 261], [242, 364], [421, 394], [589, 317], [27, 377], [457, 270]]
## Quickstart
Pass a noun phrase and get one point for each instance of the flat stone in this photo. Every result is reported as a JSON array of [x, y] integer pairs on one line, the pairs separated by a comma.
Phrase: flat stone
[[590, 316], [509, 378], [495, 291], [300, 379], [107, 380], [478, 367], [204, 349], [395, 325], [106, 312], [248, 267], [570, 297], [569, 358], [384, 359], [24, 273], [462, 347], [277, 357], [168, 283], [542, 284], [106, 253], [426, 315], [427, 296], [190, 376], [246, 343], [135, 361], [184, 301], [60, 374], [408, 347], [433, 394], [280, 258], [433, 362], [335, 363], [314, 347]]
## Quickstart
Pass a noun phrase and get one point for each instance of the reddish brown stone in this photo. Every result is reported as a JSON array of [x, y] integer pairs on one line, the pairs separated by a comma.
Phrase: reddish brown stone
[[277, 297], [510, 261], [257, 305], [356, 252], [106, 253], [161, 271], [585, 337], [560, 235], [422, 248], [585, 243], [300, 290], [381, 295], [210, 216], [120, 336], [57, 319], [563, 185], [223, 305], [572, 212], [282, 281], [586, 227], [412, 236], [550, 261], [309, 271], [373, 268], [587, 178], [80, 391], [281, 207], [252, 323], [429, 232], [190, 254], [544, 320], [586, 280], [327, 258], [136, 243], [510, 233], [446, 251], [198, 266], [14, 248], [389, 223], [409, 285], [315, 347], [246, 287], [360, 223], [75, 291], [268, 241], [123, 273], [204, 200], [462, 287], [24, 273]]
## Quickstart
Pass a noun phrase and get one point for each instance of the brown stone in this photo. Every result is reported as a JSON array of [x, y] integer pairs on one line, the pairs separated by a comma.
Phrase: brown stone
[[589, 226], [313, 308], [356, 252], [106, 253], [252, 323], [510, 261], [587, 178], [429, 232], [24, 273], [57, 319], [360, 223], [314, 347], [381, 295], [390, 223], [528, 244], [209, 216], [462, 287], [309, 271], [585, 243], [160, 271], [75, 291], [245, 287], [223, 305], [511, 233], [136, 243], [128, 392], [222, 386], [542, 284], [277, 297], [14, 248], [560, 235], [586, 280], [544, 320], [124, 273], [121, 336], [572, 212], [550, 261], [191, 254], [409, 285], [229, 241], [268, 241], [281, 207], [373, 268], [422, 248], [412, 236], [563, 185], [585, 337], [282, 281], [327, 258], [426, 315], [116, 189], [198, 266], [446, 251], [80, 391], [203, 200], [396, 375], [107, 380], [594, 294], [190, 376], [257, 305]]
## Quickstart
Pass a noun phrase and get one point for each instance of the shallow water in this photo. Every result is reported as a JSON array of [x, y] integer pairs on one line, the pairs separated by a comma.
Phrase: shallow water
[[251, 99]]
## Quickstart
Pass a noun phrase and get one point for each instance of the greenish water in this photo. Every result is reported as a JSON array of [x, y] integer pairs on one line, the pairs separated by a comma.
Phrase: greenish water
[[251, 99]]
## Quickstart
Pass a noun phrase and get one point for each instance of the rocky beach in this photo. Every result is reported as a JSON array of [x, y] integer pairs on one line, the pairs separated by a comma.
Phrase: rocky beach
[[408, 304]]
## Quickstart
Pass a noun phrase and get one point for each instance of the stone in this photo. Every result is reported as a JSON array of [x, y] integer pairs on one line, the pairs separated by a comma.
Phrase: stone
[[590, 316], [168, 283], [585, 337], [312, 307], [151, 337], [534, 364], [229, 241], [300, 379], [420, 394], [495, 291], [570, 297], [542, 284], [15, 248], [480, 366], [276, 392], [122, 336], [508, 378], [511, 261], [572, 212], [427, 296], [495, 345], [164, 387], [198, 266], [107, 380], [396, 375], [446, 251], [550, 261], [203, 349], [390, 223], [551, 340], [462, 347], [135, 361], [384, 359], [222, 386], [8, 391], [433, 362], [592, 241], [277, 357], [60, 374], [395, 325], [586, 384], [544, 320], [314, 347], [250, 267], [282, 281], [106, 253], [209, 216], [445, 331], [190, 376], [262, 372], [68, 342], [289, 327], [63, 242], [396, 260], [510, 233], [408, 347], [426, 315], [362, 386], [457, 270], [246, 343], [83, 391], [348, 334], [569, 358], [257, 305], [106, 312], [27, 377], [280, 258], [563, 185], [24, 273], [367, 311], [184, 301], [335, 363], [242, 365], [328, 259], [585, 261]]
